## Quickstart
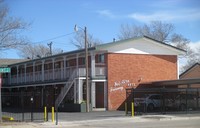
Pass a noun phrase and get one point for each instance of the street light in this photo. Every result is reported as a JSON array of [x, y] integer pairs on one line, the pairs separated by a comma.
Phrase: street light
[[86, 66]]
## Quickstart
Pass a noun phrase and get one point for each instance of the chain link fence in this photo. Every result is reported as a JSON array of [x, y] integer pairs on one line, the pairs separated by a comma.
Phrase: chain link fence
[[24, 106]]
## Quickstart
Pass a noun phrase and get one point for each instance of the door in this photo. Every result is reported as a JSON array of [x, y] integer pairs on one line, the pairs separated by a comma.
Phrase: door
[[99, 95]]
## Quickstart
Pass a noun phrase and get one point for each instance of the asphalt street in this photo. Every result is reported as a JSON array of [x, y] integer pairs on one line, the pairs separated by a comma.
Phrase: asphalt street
[[192, 123], [113, 119]]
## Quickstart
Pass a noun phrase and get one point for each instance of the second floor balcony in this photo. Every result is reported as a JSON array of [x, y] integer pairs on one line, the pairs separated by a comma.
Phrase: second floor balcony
[[52, 75]]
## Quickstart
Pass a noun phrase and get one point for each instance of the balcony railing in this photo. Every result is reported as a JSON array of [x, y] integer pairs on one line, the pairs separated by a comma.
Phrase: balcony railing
[[49, 75]]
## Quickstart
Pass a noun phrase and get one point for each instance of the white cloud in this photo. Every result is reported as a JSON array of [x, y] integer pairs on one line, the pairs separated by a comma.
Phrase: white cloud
[[174, 15], [194, 45], [150, 17], [106, 13], [168, 15], [183, 60]]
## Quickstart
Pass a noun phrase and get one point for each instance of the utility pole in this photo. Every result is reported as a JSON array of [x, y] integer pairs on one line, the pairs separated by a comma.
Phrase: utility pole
[[86, 68], [50, 47]]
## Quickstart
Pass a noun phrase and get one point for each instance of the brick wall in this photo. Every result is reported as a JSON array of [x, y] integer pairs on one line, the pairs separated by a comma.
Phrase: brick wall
[[128, 70]]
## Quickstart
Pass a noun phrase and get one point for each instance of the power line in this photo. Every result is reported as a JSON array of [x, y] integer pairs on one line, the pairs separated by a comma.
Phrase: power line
[[62, 43], [50, 39]]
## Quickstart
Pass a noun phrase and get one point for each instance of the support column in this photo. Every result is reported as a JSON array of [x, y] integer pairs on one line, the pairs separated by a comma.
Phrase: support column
[[53, 68], [42, 70], [105, 95], [93, 74], [64, 72], [9, 77], [21, 80], [33, 71], [93, 84], [77, 64], [93, 94], [25, 73], [75, 92], [61, 70], [17, 74], [80, 90]]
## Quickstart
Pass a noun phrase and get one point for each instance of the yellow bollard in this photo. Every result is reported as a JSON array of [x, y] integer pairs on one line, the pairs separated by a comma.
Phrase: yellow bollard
[[7, 118], [52, 114], [45, 113], [132, 112], [126, 109]]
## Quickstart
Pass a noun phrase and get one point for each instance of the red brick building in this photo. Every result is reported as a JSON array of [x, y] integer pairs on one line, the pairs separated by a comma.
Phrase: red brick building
[[192, 73], [113, 67]]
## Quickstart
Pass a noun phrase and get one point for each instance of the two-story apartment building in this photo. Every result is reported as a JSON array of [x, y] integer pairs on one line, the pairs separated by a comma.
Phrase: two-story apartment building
[[113, 67]]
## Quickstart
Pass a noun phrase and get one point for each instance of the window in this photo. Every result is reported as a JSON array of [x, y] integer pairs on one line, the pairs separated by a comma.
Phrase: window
[[82, 61], [67, 63], [101, 58]]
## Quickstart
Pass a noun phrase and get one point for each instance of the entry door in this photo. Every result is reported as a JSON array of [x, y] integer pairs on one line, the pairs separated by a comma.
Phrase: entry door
[[99, 95]]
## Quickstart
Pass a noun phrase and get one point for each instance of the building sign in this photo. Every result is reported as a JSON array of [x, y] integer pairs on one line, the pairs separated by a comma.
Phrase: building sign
[[119, 85], [5, 70], [122, 82], [116, 89]]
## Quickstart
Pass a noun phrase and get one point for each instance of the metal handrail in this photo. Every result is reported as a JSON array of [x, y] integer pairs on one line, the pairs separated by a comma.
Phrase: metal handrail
[[65, 90]]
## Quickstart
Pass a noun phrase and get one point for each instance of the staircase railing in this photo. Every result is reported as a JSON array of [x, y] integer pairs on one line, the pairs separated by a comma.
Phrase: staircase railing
[[65, 89]]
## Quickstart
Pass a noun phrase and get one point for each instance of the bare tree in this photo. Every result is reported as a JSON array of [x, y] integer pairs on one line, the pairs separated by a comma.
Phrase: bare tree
[[192, 59], [156, 30], [183, 43], [129, 31], [163, 32], [36, 51], [10, 28], [79, 40]]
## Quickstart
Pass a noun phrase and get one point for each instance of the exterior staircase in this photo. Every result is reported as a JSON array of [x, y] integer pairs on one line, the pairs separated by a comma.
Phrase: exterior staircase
[[65, 89]]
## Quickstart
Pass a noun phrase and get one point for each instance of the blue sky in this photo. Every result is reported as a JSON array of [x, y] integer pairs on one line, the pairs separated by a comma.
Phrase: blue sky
[[52, 18]]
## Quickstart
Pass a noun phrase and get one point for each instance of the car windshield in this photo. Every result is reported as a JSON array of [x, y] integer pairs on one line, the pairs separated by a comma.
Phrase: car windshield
[[158, 97]]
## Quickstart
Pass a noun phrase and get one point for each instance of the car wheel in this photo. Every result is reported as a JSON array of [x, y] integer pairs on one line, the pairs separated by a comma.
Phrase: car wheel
[[150, 107], [182, 107]]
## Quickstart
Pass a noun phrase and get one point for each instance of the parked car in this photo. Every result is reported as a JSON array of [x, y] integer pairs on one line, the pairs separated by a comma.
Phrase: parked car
[[6, 103], [180, 103], [150, 102]]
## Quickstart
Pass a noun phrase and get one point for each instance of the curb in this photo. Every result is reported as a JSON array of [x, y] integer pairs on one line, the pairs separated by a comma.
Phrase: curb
[[167, 117]]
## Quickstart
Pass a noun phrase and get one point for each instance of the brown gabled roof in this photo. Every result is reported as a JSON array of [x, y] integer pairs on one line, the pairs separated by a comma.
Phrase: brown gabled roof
[[196, 64], [6, 62]]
